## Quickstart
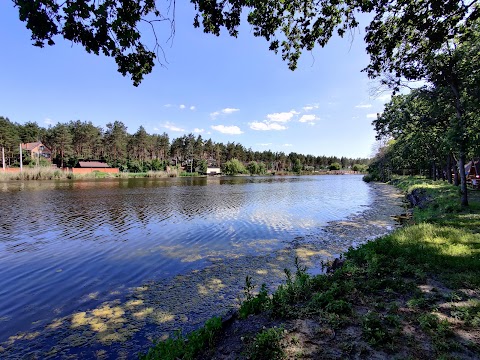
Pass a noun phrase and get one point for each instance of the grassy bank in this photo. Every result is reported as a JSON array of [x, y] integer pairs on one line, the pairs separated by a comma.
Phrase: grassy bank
[[413, 294], [47, 173]]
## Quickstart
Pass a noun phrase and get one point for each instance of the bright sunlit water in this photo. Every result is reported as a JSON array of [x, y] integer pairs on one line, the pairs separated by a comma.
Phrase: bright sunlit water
[[67, 245]]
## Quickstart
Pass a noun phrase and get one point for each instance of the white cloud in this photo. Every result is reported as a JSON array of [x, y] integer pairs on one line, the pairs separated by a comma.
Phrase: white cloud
[[363, 106], [308, 118], [264, 126], [225, 111], [372, 116], [310, 107], [192, 107], [229, 110], [182, 106], [265, 144], [172, 127], [287, 145], [282, 117], [168, 105], [197, 130], [232, 130], [49, 121]]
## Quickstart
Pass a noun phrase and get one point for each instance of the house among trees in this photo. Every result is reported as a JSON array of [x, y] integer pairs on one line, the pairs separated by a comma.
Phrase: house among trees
[[37, 150], [88, 166], [213, 171], [472, 169]]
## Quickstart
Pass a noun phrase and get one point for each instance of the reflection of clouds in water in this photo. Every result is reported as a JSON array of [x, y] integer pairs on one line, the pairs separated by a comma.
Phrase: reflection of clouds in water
[[273, 219], [126, 231], [192, 253], [156, 309]]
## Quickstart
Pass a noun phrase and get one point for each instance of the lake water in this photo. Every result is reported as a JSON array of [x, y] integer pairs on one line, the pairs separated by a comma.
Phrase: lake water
[[68, 245]]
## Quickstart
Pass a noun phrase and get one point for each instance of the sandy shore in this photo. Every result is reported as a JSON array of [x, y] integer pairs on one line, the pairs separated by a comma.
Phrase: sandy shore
[[121, 328]]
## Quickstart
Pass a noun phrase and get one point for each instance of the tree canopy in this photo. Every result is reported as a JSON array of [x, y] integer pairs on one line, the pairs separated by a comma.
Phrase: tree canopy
[[401, 36], [78, 140]]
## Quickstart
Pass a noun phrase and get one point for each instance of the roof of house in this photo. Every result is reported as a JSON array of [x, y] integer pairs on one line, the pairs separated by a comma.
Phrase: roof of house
[[31, 146], [93, 164], [474, 164]]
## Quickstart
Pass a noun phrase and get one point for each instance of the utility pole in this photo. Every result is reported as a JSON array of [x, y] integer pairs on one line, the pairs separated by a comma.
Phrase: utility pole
[[3, 158], [21, 159]]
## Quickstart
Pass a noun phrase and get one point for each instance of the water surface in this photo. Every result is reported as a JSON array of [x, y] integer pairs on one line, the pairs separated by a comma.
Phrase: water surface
[[68, 245]]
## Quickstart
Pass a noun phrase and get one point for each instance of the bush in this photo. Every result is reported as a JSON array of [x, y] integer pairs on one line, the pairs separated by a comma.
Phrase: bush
[[359, 167], [267, 345], [187, 347], [368, 178], [233, 167], [334, 166]]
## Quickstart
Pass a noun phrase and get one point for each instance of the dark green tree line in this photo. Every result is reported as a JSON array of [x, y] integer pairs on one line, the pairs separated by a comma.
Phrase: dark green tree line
[[81, 140]]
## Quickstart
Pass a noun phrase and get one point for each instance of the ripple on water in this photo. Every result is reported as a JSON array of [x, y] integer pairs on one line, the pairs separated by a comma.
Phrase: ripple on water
[[94, 237]]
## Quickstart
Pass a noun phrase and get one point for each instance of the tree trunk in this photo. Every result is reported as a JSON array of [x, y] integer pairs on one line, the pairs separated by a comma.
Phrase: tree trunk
[[462, 141], [434, 171], [449, 168], [463, 179]]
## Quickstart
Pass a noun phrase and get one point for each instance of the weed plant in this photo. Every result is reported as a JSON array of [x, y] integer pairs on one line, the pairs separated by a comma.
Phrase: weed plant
[[267, 345], [186, 347]]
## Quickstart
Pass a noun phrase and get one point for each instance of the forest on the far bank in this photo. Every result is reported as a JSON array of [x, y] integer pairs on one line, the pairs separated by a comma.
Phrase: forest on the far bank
[[82, 140]]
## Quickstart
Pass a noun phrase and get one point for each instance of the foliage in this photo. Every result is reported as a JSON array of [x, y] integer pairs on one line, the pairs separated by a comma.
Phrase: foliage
[[360, 167], [110, 28], [234, 167], [143, 152], [186, 347], [255, 168], [297, 166], [267, 345], [334, 166], [374, 329], [202, 166], [253, 304], [400, 38]]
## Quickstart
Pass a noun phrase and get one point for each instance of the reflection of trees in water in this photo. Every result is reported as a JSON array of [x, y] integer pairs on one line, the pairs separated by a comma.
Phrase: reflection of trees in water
[[122, 209]]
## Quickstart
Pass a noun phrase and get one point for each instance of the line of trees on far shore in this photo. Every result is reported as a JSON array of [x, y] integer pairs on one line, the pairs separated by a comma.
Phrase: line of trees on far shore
[[81, 140]]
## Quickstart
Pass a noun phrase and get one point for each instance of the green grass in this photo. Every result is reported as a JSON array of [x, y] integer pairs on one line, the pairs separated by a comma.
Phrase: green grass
[[186, 347]]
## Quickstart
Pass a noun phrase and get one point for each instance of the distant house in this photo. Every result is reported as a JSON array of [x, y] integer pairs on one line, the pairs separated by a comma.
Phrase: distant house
[[88, 166], [37, 150], [472, 169], [213, 171], [95, 164]]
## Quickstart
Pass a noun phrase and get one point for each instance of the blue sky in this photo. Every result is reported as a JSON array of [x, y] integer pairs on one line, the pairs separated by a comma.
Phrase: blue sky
[[224, 88]]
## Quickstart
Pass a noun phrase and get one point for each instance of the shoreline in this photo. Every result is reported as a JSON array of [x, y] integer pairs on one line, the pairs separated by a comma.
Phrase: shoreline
[[122, 328], [48, 174]]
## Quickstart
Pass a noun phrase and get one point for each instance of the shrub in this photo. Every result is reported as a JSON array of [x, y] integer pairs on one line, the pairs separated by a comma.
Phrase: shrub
[[268, 345], [233, 167], [334, 166], [188, 347]]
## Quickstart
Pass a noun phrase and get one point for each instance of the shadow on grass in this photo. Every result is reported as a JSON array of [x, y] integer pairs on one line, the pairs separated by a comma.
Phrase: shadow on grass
[[452, 255]]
